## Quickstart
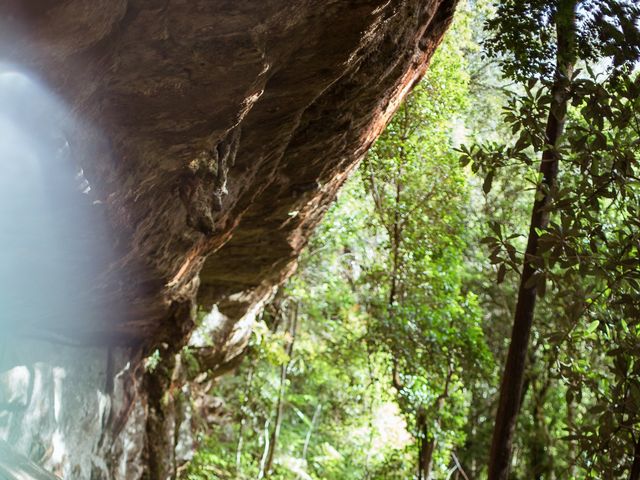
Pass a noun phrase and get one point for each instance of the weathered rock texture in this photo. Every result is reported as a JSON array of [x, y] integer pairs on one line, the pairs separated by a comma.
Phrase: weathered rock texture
[[217, 133]]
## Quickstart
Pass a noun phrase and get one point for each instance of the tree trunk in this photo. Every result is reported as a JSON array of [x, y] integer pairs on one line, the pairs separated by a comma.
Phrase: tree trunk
[[307, 439], [513, 376], [635, 467], [426, 448], [426, 457], [273, 441], [540, 460], [243, 421], [572, 447], [267, 448]]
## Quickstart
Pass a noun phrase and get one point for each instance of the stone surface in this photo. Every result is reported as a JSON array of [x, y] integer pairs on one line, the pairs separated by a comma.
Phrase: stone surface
[[73, 410], [214, 135]]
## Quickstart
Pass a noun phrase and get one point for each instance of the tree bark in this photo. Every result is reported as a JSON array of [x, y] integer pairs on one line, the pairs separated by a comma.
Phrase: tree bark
[[635, 467], [273, 441], [243, 421], [307, 439], [265, 452], [513, 375], [427, 447], [541, 464]]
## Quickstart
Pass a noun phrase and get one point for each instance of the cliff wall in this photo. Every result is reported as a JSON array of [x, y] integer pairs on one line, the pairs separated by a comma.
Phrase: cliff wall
[[213, 135]]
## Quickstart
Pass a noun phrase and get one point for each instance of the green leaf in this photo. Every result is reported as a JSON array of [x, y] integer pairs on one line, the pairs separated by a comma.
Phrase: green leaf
[[592, 326], [502, 270], [488, 181]]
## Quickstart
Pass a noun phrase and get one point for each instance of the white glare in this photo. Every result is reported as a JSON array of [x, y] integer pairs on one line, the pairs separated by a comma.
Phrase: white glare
[[53, 251]]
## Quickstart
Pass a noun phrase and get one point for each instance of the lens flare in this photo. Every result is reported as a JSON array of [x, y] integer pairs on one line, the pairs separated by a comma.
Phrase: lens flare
[[53, 251]]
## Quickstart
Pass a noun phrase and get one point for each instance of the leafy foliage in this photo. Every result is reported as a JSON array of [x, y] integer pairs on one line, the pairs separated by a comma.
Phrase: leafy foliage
[[405, 296]]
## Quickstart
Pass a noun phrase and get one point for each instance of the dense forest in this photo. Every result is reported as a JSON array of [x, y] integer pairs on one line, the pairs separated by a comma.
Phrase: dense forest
[[470, 306]]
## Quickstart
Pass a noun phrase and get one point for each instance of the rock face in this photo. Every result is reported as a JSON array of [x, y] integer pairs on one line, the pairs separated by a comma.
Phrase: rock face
[[216, 133]]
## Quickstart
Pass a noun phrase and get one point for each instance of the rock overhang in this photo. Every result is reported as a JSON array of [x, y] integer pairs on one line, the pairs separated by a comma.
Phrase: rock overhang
[[217, 132]]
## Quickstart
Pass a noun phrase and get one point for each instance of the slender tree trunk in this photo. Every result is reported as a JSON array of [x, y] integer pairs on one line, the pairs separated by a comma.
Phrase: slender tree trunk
[[513, 376], [459, 470], [571, 443], [243, 422], [540, 460], [395, 244], [635, 467], [239, 446], [273, 441], [427, 447], [307, 439], [265, 453], [420, 427]]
